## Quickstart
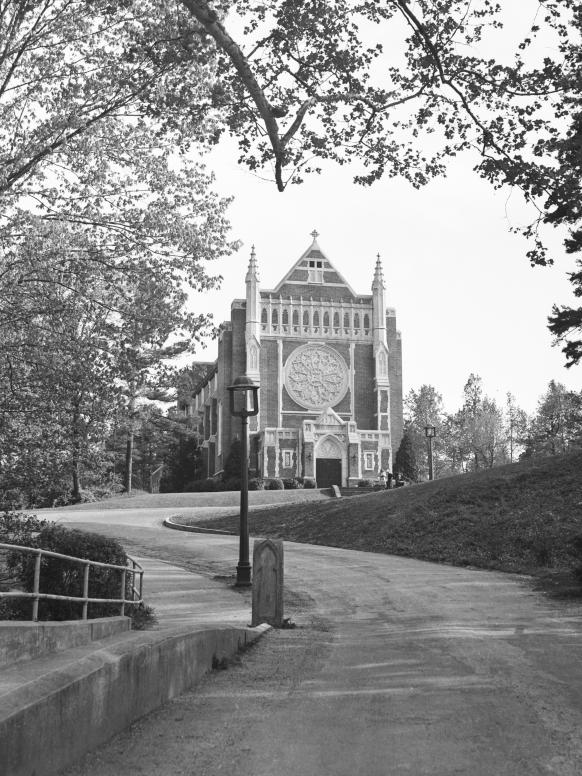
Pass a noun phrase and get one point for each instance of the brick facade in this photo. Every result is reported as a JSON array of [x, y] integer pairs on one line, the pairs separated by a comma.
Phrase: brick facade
[[329, 365]]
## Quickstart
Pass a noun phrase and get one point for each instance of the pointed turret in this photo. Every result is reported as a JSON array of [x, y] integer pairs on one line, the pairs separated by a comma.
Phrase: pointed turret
[[253, 317], [253, 270], [379, 303]]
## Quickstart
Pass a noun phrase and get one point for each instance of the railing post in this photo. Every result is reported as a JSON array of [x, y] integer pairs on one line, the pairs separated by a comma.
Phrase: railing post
[[122, 596], [133, 587], [86, 589], [36, 586]]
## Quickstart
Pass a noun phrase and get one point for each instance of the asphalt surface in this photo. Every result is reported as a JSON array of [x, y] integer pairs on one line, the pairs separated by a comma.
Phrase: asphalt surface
[[396, 667]]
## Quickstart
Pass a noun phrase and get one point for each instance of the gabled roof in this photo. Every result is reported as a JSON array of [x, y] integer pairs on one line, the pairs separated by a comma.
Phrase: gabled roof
[[299, 274]]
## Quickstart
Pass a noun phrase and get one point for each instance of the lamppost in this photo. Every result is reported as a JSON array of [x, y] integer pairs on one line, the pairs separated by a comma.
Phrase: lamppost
[[430, 433], [240, 391]]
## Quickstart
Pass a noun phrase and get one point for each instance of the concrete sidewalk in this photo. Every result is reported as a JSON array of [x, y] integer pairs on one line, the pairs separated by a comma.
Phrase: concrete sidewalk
[[67, 701], [187, 600]]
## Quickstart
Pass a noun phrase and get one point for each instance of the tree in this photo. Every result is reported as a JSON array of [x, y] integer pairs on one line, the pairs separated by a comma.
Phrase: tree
[[76, 71], [425, 408], [480, 423], [321, 80], [321, 69], [405, 462], [181, 459], [392, 87], [557, 425], [80, 348], [516, 422], [232, 465], [107, 215], [102, 118]]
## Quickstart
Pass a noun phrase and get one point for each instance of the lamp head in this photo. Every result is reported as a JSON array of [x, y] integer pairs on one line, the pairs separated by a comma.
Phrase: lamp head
[[243, 385]]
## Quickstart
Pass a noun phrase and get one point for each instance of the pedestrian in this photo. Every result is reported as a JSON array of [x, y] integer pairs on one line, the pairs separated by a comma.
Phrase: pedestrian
[[388, 480], [382, 478]]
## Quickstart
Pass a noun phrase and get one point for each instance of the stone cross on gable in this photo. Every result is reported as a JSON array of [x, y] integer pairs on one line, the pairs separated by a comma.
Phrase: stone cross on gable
[[315, 234]]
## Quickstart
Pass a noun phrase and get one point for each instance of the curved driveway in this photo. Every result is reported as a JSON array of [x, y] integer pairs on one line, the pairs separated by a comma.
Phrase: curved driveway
[[429, 669]]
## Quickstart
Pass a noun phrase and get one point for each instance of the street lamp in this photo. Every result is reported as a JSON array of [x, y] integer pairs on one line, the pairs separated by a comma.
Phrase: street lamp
[[240, 392], [430, 433]]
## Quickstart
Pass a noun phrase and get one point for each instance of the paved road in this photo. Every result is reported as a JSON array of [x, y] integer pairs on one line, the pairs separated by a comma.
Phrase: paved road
[[410, 668]]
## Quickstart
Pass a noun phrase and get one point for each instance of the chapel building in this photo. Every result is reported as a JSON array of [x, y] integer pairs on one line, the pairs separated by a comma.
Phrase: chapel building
[[329, 365]]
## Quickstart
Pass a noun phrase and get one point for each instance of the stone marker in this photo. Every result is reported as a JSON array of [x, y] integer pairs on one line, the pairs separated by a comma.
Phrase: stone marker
[[335, 491], [268, 582]]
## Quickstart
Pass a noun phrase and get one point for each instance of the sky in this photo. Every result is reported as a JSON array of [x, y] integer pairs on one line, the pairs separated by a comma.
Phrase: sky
[[467, 300]]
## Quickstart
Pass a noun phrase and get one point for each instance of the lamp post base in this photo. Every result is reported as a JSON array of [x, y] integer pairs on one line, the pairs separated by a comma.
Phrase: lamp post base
[[243, 575]]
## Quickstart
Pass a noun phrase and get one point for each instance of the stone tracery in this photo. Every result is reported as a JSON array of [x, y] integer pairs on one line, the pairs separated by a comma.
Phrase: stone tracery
[[316, 376]]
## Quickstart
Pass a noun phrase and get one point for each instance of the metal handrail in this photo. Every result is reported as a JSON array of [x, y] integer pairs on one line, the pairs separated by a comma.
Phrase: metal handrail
[[135, 569]]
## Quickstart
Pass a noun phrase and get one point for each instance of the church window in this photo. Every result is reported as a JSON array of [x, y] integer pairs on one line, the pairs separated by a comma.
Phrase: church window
[[287, 461], [264, 315], [356, 320], [316, 318], [336, 320], [346, 321], [366, 321], [295, 317], [285, 317], [368, 461], [274, 317], [326, 319], [306, 318]]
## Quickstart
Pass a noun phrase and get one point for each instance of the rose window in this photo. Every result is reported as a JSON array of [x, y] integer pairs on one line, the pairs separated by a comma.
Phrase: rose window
[[316, 376]]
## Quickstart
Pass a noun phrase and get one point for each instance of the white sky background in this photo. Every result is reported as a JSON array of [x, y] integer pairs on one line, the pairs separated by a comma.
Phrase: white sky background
[[465, 295]]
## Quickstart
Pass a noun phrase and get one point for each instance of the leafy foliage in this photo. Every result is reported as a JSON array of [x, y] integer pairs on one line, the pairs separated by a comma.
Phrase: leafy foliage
[[232, 465], [405, 463], [62, 577], [481, 434], [108, 221], [557, 425], [397, 89]]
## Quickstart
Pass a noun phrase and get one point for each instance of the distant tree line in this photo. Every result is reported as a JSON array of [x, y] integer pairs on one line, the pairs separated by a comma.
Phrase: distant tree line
[[483, 433]]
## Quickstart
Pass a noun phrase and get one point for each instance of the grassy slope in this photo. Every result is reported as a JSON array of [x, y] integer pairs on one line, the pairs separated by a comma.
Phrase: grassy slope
[[520, 517]]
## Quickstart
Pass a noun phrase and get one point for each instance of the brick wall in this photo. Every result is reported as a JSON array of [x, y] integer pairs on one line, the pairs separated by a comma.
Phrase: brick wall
[[225, 378], [269, 393], [365, 397]]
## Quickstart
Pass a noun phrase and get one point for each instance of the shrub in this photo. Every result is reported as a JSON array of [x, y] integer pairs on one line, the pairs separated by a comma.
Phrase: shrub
[[291, 483], [232, 483], [309, 482], [20, 528], [275, 484], [207, 485], [366, 484], [256, 483], [142, 616], [63, 577], [232, 465], [15, 528]]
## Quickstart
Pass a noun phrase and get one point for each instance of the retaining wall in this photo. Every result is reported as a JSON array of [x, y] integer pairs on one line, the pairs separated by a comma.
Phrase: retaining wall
[[21, 641], [55, 709]]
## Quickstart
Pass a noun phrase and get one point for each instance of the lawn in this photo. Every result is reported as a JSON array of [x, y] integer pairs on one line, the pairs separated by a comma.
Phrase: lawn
[[523, 517]]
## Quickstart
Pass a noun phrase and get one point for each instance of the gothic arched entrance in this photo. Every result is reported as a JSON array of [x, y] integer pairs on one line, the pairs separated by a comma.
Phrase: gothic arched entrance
[[328, 462]]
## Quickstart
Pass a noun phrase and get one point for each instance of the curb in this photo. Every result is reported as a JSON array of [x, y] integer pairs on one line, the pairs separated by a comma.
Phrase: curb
[[169, 523]]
